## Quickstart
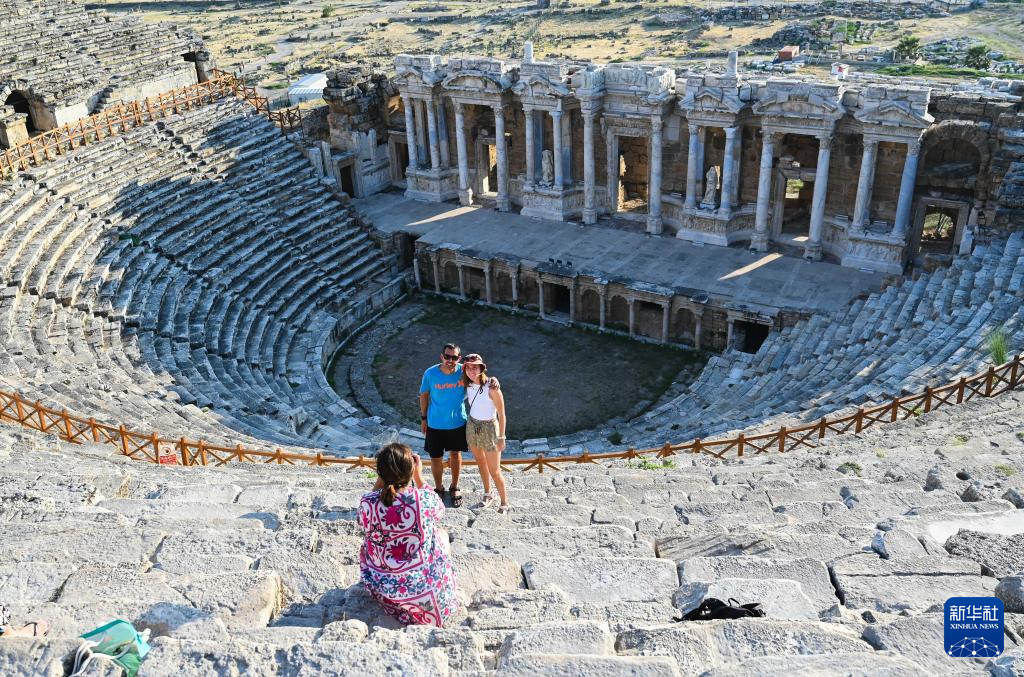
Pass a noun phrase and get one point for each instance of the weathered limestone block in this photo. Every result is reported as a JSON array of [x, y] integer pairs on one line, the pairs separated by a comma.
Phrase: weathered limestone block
[[577, 637], [699, 647], [239, 599], [479, 571], [498, 610], [604, 580], [879, 664], [31, 657], [918, 584], [897, 543], [200, 493], [1011, 591], [527, 544], [725, 514], [1010, 664], [769, 545], [916, 637], [344, 631], [197, 658], [624, 615], [32, 582], [811, 575], [165, 619], [779, 598], [998, 555], [54, 542], [548, 665]]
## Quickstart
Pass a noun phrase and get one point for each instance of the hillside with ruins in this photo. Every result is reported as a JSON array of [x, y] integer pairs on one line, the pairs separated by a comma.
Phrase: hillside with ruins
[[751, 277]]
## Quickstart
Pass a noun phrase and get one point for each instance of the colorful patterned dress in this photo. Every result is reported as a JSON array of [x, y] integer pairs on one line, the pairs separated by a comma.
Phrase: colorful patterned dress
[[403, 563]]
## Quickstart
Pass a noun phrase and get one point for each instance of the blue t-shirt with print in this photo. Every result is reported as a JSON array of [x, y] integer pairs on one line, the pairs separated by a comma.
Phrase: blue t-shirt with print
[[447, 409]]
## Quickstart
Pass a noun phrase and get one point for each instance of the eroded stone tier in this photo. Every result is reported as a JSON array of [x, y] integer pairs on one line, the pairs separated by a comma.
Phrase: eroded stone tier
[[59, 62], [847, 170]]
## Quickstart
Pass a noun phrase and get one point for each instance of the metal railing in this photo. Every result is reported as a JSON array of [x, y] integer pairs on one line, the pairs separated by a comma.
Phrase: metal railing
[[124, 117], [162, 450]]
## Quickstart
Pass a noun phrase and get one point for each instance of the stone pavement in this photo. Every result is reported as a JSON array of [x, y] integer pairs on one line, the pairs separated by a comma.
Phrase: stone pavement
[[766, 279]]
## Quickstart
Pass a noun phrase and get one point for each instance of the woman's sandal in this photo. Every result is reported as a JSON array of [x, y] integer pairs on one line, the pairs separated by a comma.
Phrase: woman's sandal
[[504, 508], [456, 497], [484, 503], [39, 629]]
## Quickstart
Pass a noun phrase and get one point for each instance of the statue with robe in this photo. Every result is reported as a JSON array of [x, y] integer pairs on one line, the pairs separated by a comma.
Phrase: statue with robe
[[710, 188], [547, 168]]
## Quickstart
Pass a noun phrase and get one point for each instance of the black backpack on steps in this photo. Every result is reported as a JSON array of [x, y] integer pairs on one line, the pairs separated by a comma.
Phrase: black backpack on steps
[[713, 609]]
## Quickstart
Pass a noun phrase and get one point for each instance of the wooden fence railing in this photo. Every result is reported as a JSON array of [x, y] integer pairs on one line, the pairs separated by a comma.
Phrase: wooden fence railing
[[119, 119], [156, 449]]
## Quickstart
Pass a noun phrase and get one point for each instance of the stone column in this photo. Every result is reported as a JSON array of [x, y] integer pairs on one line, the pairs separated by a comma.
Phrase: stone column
[[462, 283], [697, 327], [540, 296], [759, 240], [906, 199], [422, 150], [664, 321], [812, 250], [465, 192], [437, 272], [499, 145], [435, 148], [728, 334], [691, 167], [416, 271], [515, 288], [602, 294], [487, 284], [702, 134], [654, 220], [589, 208], [410, 132], [862, 205], [728, 172], [612, 156], [531, 158], [556, 147], [572, 301], [632, 316], [442, 134]]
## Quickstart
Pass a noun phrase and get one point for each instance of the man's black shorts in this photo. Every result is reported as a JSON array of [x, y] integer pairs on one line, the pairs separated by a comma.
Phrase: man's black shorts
[[440, 441]]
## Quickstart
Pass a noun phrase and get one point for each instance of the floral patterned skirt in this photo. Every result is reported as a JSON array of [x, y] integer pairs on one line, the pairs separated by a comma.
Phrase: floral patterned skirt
[[424, 596]]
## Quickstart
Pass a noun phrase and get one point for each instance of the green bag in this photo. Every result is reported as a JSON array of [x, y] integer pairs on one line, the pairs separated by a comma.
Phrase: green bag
[[118, 642]]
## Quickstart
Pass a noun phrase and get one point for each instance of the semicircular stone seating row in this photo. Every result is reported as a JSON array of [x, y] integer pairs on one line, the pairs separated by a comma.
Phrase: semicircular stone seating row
[[183, 278], [924, 331], [90, 50]]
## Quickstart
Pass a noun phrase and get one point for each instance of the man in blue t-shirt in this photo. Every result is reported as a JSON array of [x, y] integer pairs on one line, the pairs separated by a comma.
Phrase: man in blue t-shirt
[[443, 418]]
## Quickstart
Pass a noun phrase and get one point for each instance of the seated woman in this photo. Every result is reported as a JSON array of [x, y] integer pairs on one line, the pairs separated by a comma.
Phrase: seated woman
[[404, 561]]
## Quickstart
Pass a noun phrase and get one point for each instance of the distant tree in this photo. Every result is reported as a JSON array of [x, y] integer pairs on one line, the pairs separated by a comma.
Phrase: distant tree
[[327, 12], [977, 57], [908, 48]]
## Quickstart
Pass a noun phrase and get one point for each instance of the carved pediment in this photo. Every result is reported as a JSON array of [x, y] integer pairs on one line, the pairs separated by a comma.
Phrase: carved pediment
[[539, 86], [894, 114], [714, 99], [799, 105], [475, 82], [412, 75]]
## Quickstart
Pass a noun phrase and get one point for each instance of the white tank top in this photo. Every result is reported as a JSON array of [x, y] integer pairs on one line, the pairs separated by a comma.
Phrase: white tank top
[[481, 406]]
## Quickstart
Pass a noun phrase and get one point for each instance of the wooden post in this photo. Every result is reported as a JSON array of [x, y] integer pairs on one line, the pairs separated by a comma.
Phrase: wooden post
[[95, 431], [859, 420], [41, 410], [927, 399], [696, 445], [960, 389], [155, 441], [895, 413], [202, 452], [739, 446], [124, 440], [67, 425], [782, 440], [1014, 366], [823, 427], [989, 378], [183, 449]]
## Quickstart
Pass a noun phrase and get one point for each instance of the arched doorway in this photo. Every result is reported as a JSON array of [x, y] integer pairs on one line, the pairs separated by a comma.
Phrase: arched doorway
[[684, 329], [590, 307], [618, 314], [20, 103]]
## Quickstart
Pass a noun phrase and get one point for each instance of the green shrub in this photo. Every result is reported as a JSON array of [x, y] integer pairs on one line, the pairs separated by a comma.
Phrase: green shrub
[[880, 453], [652, 464], [1005, 469], [960, 440], [327, 12], [615, 438], [999, 346], [850, 466]]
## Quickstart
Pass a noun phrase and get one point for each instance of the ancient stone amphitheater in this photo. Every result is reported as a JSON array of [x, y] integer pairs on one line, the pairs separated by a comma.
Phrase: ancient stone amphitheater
[[186, 268]]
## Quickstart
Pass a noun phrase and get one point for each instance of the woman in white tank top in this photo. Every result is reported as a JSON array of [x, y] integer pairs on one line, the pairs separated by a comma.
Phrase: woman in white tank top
[[485, 429]]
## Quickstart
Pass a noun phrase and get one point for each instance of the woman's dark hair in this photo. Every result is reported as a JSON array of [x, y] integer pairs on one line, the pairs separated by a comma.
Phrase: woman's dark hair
[[394, 468]]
